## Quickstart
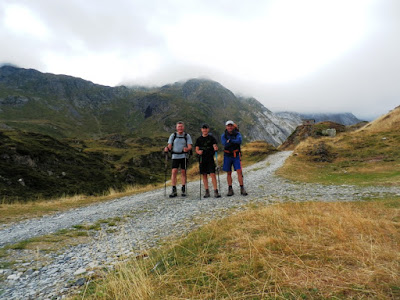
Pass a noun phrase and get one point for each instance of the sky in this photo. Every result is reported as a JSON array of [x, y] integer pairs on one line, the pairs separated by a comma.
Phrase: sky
[[291, 55]]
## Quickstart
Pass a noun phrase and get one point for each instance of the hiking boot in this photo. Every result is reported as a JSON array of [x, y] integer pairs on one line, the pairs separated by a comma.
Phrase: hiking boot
[[216, 194], [207, 194], [230, 191], [243, 191], [174, 193], [183, 191]]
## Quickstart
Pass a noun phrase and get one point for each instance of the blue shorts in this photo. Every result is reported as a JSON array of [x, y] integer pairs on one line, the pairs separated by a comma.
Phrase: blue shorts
[[229, 161]]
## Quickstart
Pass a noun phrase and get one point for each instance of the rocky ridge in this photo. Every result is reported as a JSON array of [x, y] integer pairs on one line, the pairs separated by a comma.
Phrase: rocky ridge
[[345, 118]]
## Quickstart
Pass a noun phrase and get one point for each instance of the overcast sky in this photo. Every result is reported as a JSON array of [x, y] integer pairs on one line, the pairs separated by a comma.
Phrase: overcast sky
[[292, 55]]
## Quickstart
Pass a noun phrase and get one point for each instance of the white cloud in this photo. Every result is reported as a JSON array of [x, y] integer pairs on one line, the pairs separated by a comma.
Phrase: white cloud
[[289, 41], [289, 54], [22, 21]]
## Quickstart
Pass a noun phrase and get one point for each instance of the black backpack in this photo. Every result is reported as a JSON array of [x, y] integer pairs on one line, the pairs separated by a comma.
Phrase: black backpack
[[180, 137]]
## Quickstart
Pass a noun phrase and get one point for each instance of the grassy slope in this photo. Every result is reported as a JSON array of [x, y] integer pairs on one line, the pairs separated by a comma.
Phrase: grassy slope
[[285, 251], [50, 168], [368, 156]]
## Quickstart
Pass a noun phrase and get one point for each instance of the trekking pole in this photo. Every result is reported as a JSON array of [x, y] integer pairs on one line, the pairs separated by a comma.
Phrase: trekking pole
[[200, 160], [219, 183], [165, 173], [186, 184], [240, 160]]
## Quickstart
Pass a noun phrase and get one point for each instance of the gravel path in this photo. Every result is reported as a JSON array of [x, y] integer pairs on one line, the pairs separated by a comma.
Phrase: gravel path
[[146, 219]]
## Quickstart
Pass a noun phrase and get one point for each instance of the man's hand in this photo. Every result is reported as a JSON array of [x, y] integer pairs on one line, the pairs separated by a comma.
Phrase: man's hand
[[215, 147], [166, 149]]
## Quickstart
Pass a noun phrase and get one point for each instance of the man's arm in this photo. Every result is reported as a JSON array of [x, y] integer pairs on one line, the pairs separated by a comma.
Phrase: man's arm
[[215, 146], [237, 139], [198, 151], [189, 144], [223, 140], [169, 146]]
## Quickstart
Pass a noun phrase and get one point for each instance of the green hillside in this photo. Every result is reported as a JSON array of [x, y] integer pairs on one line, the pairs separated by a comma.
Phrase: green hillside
[[35, 166], [67, 107]]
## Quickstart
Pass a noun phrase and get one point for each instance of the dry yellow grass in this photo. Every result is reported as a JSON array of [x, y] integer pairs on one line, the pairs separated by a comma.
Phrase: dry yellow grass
[[388, 122], [287, 251], [25, 210], [368, 156]]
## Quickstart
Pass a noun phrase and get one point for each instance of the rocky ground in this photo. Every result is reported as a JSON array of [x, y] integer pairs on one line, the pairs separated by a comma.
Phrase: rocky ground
[[143, 221]]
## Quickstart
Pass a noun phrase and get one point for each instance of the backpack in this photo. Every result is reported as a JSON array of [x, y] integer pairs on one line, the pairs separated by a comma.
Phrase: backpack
[[180, 137]]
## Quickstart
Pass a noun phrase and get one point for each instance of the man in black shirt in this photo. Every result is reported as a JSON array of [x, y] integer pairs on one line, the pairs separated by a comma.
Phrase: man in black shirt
[[206, 145]]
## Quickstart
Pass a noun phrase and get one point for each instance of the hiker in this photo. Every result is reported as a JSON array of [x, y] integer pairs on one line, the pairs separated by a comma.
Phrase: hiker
[[231, 140], [205, 147], [180, 144]]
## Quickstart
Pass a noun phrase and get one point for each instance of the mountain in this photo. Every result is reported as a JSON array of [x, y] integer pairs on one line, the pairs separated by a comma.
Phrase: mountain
[[341, 118], [58, 105], [68, 107]]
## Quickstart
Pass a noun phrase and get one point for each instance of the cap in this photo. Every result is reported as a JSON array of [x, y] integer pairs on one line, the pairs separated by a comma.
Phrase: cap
[[205, 126], [230, 122]]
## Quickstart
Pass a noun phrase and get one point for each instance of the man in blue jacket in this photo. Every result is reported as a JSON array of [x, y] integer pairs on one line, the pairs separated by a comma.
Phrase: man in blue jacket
[[231, 140]]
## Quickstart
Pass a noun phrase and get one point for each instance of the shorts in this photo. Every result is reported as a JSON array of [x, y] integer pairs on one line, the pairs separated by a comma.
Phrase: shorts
[[229, 161], [180, 162], [207, 166]]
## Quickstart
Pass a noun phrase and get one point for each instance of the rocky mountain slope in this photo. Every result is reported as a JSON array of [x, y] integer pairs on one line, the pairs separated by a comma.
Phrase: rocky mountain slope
[[302, 132], [341, 118], [63, 106]]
